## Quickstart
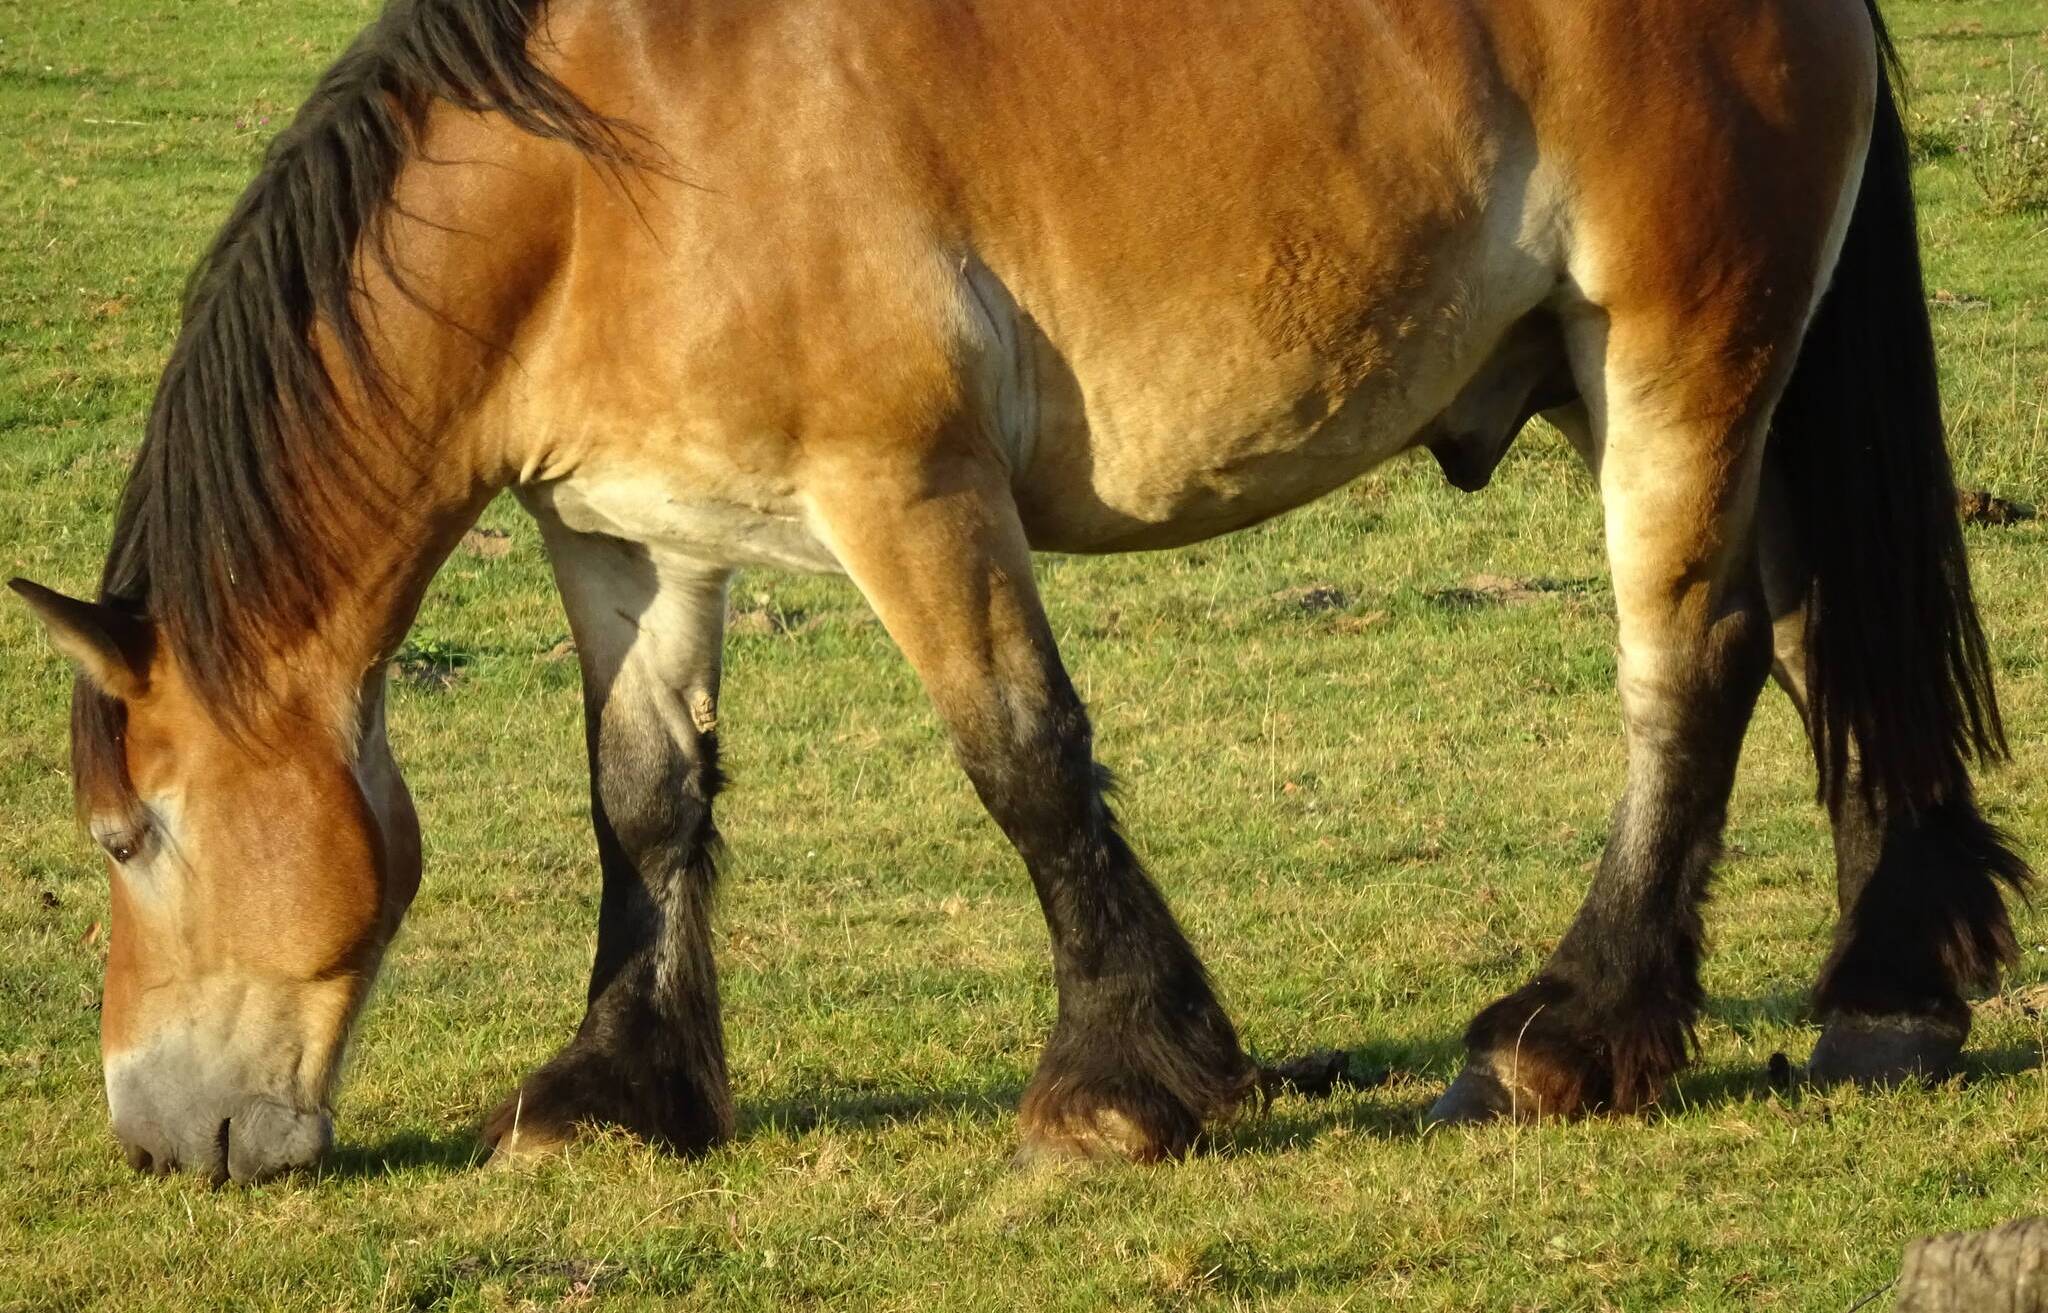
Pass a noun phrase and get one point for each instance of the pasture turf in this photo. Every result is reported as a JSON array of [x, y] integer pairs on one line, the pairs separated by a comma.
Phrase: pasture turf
[[1373, 781]]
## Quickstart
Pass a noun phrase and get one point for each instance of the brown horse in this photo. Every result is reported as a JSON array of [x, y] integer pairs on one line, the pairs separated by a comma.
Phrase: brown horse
[[909, 289]]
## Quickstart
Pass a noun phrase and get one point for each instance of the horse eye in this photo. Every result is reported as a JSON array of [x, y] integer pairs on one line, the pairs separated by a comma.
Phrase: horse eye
[[123, 847]]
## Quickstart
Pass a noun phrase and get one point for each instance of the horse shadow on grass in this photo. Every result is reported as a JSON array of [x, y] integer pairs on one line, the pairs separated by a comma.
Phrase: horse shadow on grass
[[436, 1152], [1279, 1120], [1388, 1085], [1374, 1089], [852, 1107], [856, 1106]]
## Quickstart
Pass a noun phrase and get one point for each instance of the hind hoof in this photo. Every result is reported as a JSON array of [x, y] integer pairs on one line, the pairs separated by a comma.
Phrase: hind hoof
[[1877, 1052], [1476, 1096]]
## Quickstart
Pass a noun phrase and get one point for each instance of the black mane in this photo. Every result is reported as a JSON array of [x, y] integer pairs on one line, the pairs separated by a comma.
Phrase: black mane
[[219, 535]]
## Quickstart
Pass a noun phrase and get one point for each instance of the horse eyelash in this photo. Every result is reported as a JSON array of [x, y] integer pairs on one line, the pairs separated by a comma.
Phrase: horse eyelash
[[124, 845]]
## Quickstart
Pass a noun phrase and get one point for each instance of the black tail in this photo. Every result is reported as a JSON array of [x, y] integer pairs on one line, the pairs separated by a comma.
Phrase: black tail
[[1896, 659]]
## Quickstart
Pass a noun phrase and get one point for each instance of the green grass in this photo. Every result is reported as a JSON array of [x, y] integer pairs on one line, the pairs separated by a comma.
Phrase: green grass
[[1372, 818]]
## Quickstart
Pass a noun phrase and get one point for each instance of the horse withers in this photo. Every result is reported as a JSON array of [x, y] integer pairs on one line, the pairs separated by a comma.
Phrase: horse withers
[[908, 290]]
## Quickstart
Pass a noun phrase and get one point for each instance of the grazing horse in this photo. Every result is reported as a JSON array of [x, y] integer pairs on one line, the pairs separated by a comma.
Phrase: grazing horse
[[907, 290]]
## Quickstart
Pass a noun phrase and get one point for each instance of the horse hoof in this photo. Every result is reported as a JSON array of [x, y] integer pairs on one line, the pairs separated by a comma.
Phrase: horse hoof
[[1477, 1095], [516, 1134], [522, 1146], [1099, 1135], [1037, 1155], [1875, 1052]]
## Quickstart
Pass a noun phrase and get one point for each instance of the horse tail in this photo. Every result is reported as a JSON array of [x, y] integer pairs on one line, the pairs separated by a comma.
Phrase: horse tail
[[1896, 663]]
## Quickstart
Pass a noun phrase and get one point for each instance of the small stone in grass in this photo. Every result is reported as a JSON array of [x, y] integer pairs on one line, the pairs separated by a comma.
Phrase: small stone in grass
[[1318, 1075], [1977, 506], [1948, 300]]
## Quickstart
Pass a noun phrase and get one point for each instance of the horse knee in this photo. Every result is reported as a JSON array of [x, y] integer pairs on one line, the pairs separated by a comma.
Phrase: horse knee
[[655, 793]]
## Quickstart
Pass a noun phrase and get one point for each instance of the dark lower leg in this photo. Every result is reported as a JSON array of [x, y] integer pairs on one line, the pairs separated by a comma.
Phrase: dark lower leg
[[1922, 921], [649, 1055], [1609, 1017], [1142, 1054]]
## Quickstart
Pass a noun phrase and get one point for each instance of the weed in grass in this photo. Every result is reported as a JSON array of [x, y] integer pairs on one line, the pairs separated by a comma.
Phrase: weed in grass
[[2002, 139], [426, 662]]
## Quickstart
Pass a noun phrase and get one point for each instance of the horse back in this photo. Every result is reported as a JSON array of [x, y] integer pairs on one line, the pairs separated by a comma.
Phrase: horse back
[[1183, 266]]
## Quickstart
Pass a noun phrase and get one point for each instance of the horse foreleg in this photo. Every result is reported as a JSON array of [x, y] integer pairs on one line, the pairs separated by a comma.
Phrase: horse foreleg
[[1142, 1054], [650, 1054]]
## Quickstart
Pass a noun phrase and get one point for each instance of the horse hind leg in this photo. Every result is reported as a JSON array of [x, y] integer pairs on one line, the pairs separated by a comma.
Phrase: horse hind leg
[[1676, 440], [649, 1055], [1922, 917], [1880, 645], [1141, 1055]]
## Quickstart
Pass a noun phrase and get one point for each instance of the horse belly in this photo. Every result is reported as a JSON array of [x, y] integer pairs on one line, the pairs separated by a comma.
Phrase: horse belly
[[1253, 435], [680, 517], [1219, 477]]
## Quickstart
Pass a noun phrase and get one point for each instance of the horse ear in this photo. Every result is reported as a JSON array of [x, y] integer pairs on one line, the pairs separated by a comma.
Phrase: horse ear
[[108, 647]]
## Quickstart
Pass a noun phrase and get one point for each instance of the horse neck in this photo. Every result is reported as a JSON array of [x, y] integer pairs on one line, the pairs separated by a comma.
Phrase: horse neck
[[396, 493], [338, 491], [382, 556], [443, 442]]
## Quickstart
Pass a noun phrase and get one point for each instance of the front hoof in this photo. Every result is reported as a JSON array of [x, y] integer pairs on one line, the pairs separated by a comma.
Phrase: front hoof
[[1476, 1096], [582, 1088], [515, 1133], [1878, 1052], [1100, 1133], [1122, 1119]]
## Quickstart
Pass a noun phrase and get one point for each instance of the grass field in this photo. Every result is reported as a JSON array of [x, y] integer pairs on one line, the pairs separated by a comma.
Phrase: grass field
[[1374, 786]]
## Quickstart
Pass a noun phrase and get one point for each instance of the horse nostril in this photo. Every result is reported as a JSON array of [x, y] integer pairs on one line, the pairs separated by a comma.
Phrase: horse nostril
[[220, 1162], [138, 1157]]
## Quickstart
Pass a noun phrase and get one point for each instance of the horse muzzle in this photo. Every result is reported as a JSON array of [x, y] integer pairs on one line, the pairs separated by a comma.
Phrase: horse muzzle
[[166, 1124]]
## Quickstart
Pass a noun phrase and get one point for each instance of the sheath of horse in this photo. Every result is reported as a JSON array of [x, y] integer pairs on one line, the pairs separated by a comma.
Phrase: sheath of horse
[[908, 289]]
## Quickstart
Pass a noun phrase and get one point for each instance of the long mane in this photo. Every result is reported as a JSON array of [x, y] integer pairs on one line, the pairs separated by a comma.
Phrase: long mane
[[219, 534]]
